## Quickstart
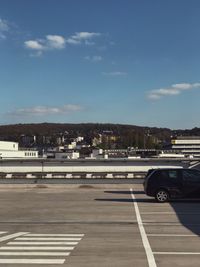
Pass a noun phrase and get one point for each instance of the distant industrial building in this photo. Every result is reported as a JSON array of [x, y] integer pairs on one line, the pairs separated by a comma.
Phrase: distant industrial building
[[187, 145], [10, 150]]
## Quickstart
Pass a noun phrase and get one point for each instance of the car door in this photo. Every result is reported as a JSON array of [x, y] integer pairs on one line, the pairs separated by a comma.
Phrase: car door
[[191, 182], [173, 182]]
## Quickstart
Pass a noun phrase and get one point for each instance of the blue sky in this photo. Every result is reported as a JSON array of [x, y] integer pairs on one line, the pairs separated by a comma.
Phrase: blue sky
[[117, 61]]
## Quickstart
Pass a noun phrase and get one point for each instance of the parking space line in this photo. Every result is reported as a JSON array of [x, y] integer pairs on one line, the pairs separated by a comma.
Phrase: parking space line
[[167, 212], [177, 253], [145, 241], [176, 235]]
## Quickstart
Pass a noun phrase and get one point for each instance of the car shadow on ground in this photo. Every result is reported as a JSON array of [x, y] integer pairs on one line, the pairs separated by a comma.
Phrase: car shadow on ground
[[186, 210]]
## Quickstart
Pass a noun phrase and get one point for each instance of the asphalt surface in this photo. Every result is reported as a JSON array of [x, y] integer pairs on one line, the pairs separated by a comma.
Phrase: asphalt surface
[[81, 225]]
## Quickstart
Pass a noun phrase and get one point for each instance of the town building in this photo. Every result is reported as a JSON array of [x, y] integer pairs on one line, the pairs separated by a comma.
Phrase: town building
[[11, 150], [187, 145]]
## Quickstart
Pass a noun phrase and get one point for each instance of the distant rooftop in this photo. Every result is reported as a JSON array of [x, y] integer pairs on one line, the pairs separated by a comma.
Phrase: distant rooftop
[[187, 137]]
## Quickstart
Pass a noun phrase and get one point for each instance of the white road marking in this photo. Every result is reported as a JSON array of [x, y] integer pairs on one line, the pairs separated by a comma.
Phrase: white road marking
[[36, 248], [28, 253], [48, 239], [1, 233], [31, 261], [193, 166], [173, 213], [161, 224], [158, 212], [55, 235], [52, 245], [176, 235], [7, 237], [145, 241], [177, 253], [43, 243]]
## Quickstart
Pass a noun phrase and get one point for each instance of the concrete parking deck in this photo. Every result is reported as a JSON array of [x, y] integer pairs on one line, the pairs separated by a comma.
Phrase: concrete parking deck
[[95, 225]]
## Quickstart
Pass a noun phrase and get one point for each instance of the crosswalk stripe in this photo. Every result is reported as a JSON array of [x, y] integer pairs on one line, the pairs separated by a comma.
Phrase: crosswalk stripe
[[32, 261], [48, 239], [30, 253], [35, 248], [1, 233], [55, 235], [7, 237], [43, 243]]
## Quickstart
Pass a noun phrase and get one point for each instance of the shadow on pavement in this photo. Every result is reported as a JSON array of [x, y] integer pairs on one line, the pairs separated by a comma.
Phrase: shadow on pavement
[[124, 192], [186, 210]]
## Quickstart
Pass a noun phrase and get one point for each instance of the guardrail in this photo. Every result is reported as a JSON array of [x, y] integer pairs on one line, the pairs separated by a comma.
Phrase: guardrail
[[71, 175]]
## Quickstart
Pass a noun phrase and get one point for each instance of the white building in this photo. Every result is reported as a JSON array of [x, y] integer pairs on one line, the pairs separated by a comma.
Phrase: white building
[[188, 145], [67, 155], [11, 150]]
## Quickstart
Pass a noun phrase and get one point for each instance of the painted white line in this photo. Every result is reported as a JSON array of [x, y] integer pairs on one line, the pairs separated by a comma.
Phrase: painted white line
[[158, 212], [162, 224], [171, 235], [1, 233], [55, 235], [31, 261], [28, 253], [145, 241], [43, 243], [193, 166], [36, 248], [48, 239], [173, 213], [7, 237], [177, 253]]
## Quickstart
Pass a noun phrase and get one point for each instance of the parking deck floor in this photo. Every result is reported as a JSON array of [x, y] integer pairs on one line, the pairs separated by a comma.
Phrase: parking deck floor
[[95, 225]]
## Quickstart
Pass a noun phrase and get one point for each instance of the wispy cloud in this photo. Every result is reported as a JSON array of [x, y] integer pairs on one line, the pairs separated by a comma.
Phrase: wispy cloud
[[57, 42], [175, 89], [82, 37], [4, 28], [94, 58], [115, 73], [44, 110], [51, 42]]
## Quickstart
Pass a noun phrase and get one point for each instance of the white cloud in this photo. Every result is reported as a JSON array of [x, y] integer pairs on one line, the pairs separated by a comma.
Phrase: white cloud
[[80, 37], [115, 73], [175, 89], [94, 58], [34, 45], [56, 42], [51, 42], [4, 28], [44, 110]]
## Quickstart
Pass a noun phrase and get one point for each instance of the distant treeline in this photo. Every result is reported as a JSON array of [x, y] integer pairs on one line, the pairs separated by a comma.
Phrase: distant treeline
[[128, 135]]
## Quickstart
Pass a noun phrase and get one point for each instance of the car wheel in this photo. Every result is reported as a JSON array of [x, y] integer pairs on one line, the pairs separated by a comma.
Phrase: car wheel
[[162, 196]]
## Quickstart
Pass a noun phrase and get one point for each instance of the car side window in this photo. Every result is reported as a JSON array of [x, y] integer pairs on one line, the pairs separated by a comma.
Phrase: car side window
[[173, 175], [191, 176]]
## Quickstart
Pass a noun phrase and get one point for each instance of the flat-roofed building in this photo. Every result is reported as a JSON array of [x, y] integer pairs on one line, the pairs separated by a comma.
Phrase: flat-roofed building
[[188, 145], [11, 150]]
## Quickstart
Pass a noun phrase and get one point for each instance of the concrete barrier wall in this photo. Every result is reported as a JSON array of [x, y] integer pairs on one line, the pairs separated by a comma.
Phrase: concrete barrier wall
[[46, 166]]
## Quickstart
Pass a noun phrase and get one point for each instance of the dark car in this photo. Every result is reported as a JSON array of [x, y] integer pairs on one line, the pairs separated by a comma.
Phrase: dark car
[[166, 184]]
